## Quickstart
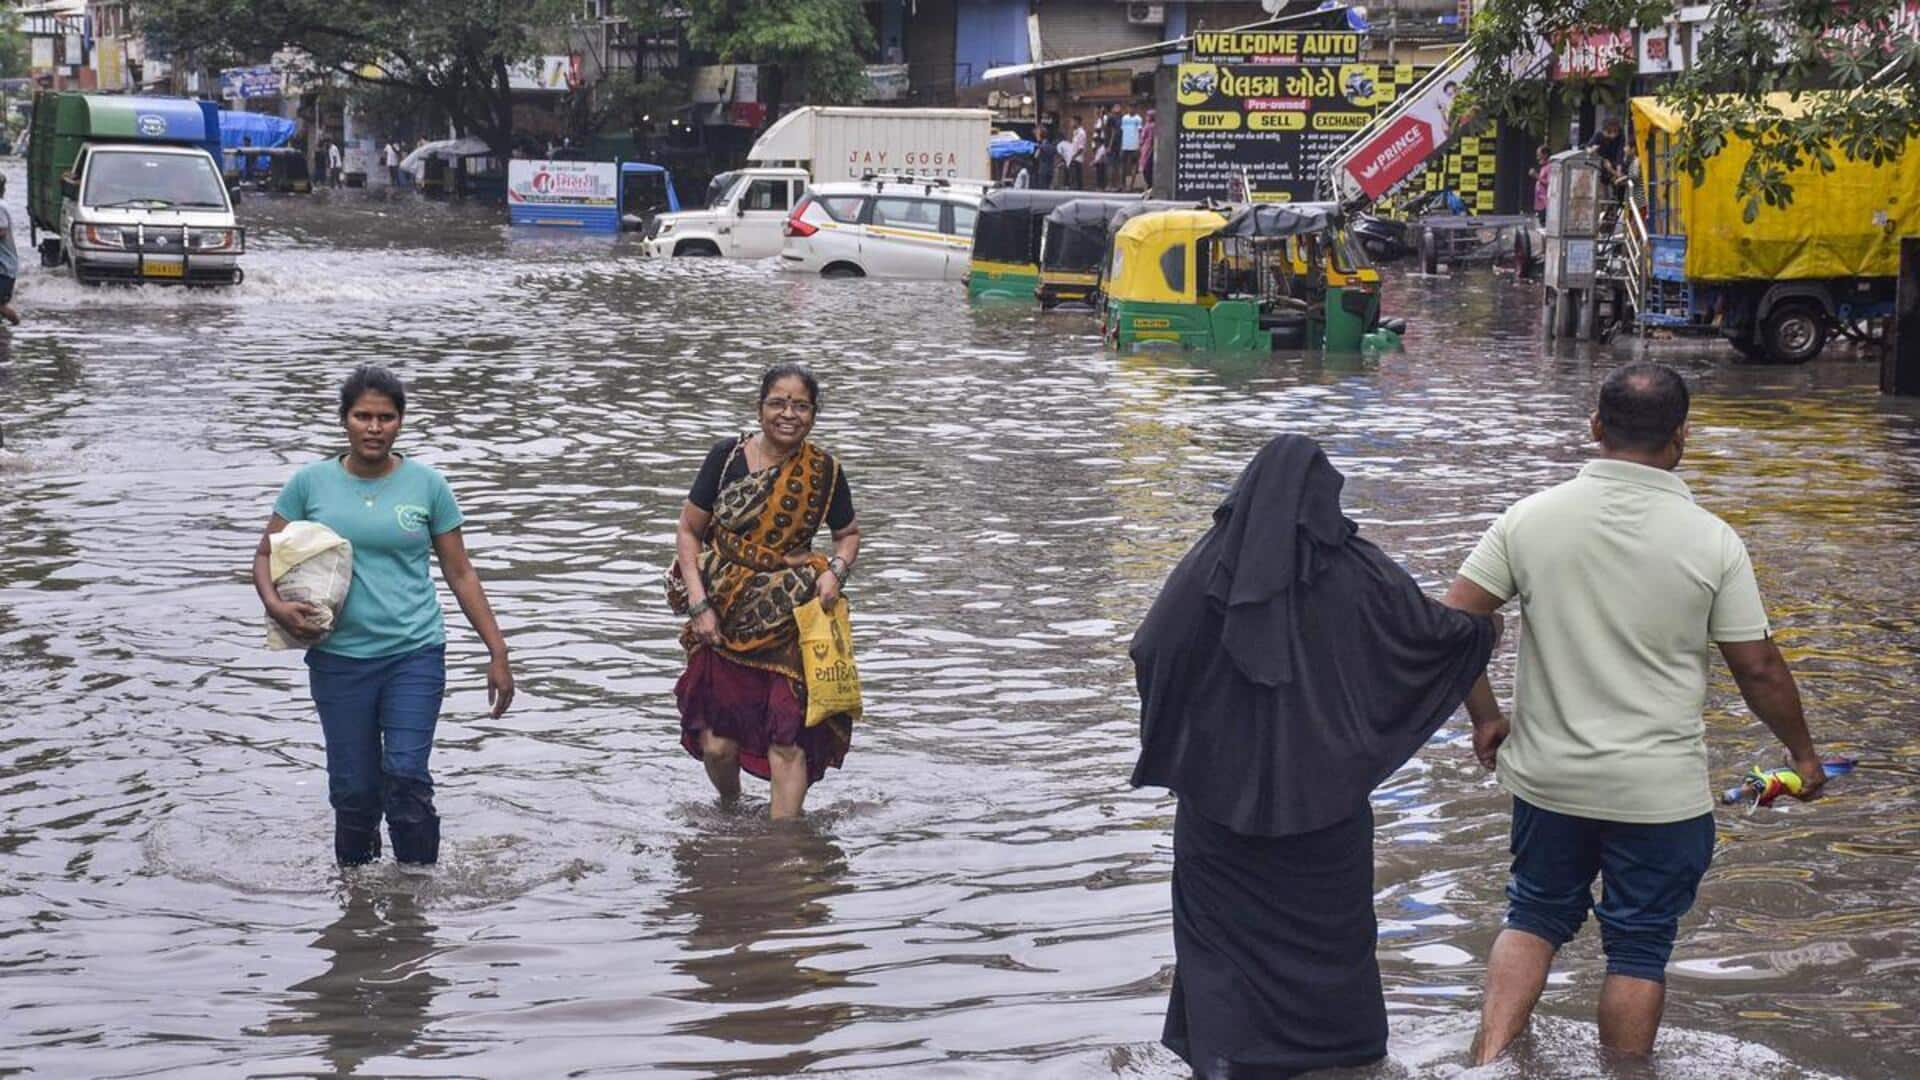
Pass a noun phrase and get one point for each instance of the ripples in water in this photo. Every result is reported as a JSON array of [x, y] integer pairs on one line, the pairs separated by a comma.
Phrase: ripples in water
[[978, 894]]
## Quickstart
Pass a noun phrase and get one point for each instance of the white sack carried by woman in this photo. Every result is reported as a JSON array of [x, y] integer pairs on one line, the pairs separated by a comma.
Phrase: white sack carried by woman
[[311, 564]]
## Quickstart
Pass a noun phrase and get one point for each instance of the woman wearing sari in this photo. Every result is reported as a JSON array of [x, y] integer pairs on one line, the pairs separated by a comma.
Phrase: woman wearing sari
[[746, 560], [1286, 669]]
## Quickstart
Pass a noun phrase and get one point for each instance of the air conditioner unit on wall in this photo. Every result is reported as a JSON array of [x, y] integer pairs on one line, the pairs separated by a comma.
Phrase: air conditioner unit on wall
[[1147, 14]]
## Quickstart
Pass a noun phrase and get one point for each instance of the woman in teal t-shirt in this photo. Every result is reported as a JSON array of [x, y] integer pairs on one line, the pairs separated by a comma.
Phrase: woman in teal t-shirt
[[378, 678]]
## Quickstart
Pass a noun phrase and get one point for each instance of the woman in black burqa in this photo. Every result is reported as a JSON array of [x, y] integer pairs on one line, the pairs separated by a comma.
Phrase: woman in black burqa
[[1287, 668]]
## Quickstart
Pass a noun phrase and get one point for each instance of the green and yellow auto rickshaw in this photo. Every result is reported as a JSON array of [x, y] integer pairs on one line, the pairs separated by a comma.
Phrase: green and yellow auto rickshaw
[[1006, 242], [1255, 277], [1073, 245]]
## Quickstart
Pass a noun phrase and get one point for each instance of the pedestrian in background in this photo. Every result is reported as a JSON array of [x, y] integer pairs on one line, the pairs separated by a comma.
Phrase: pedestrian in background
[[1287, 667], [390, 155], [1110, 135], [744, 561], [1077, 160], [333, 163], [1147, 133], [1623, 581], [378, 678], [1045, 154], [9, 261], [1130, 125], [1100, 156], [1541, 175]]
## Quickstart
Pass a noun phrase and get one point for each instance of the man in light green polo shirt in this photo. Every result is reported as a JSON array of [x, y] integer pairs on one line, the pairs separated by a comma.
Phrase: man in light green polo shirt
[[1622, 582]]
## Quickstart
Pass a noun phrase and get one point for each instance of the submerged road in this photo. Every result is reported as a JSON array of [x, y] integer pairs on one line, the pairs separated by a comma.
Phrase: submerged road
[[978, 894]]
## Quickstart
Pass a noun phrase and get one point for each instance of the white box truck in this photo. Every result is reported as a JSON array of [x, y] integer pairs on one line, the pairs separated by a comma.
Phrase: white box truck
[[820, 145]]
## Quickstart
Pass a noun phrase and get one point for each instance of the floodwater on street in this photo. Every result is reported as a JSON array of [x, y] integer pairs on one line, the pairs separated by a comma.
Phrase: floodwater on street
[[978, 893]]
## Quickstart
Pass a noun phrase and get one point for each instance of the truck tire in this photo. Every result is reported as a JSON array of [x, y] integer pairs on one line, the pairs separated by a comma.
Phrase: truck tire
[[1794, 332], [51, 256], [701, 248], [1429, 252]]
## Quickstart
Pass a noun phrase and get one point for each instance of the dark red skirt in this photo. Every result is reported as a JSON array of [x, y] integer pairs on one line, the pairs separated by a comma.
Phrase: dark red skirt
[[757, 709]]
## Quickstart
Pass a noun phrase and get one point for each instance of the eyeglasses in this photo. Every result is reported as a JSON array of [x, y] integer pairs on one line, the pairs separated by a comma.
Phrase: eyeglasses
[[780, 405]]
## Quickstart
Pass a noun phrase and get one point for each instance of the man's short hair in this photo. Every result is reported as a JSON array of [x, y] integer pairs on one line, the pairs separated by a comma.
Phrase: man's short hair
[[1641, 406]]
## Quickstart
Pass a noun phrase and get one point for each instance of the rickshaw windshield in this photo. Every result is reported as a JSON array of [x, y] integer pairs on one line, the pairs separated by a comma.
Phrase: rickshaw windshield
[[1001, 235]]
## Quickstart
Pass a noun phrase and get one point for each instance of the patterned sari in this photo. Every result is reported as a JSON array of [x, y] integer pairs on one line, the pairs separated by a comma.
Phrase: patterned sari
[[757, 520]]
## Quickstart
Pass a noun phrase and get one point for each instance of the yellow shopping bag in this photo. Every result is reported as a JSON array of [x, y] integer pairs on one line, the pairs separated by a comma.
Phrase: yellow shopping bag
[[826, 655]]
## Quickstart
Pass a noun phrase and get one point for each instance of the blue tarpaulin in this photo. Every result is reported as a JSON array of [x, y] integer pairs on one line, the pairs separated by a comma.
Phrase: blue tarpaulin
[[263, 130], [1001, 149], [259, 129]]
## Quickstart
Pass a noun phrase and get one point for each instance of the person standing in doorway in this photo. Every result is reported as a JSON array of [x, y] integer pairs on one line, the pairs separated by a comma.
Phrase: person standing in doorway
[[1130, 125], [333, 163], [1077, 160], [1147, 133], [1542, 175], [1045, 154], [9, 261], [1622, 581], [378, 678]]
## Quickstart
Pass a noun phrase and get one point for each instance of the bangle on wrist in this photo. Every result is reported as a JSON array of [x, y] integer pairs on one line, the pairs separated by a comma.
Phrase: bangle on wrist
[[696, 610], [838, 567]]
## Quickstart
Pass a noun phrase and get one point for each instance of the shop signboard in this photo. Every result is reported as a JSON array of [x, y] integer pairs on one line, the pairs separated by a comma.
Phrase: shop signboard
[[1271, 123], [247, 83], [1590, 54], [567, 194]]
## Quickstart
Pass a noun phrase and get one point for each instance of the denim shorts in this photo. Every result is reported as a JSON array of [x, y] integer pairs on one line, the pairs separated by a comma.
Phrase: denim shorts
[[1648, 874]]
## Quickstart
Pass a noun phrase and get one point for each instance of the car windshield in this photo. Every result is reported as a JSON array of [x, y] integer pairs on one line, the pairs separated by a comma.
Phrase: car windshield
[[154, 180]]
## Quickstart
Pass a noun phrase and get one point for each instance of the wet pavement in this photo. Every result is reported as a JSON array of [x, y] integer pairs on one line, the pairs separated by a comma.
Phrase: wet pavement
[[978, 894]]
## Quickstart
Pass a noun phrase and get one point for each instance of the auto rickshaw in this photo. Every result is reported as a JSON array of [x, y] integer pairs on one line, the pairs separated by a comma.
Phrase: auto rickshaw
[[1258, 277], [1006, 241], [1073, 245]]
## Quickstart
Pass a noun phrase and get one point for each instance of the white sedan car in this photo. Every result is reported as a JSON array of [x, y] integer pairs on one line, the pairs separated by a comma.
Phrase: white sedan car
[[891, 228]]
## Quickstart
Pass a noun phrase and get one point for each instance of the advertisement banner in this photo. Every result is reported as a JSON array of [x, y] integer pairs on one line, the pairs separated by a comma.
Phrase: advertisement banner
[[1272, 123], [556, 73], [259, 81], [573, 194], [1406, 143]]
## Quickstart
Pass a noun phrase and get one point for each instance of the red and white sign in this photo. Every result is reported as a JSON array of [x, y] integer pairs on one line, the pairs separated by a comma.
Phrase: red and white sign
[[1591, 53], [1406, 142], [565, 183]]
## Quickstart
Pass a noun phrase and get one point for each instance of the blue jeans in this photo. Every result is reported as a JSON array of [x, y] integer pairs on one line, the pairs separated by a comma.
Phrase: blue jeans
[[378, 716], [1648, 877]]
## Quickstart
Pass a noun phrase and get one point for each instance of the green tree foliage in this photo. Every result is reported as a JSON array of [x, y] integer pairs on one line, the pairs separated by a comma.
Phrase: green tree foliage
[[13, 45], [823, 42], [1746, 55], [457, 54]]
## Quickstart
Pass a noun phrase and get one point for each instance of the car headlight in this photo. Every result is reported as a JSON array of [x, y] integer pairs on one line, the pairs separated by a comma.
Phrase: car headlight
[[214, 240], [110, 237]]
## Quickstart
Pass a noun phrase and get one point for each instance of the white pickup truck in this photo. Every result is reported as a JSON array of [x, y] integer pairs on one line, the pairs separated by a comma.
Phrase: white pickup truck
[[743, 220], [818, 144]]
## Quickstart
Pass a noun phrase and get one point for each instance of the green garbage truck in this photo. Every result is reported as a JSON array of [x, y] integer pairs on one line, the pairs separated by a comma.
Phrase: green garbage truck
[[129, 189]]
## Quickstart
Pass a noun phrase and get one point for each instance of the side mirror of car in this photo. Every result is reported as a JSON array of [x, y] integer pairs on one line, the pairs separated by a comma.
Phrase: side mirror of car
[[740, 208], [70, 186]]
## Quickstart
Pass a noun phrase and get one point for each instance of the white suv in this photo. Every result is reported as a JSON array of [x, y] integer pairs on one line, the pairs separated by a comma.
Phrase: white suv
[[888, 227]]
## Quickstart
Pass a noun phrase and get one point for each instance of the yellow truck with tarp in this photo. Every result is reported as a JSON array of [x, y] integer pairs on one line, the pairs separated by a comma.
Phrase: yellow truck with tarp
[[1780, 286]]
